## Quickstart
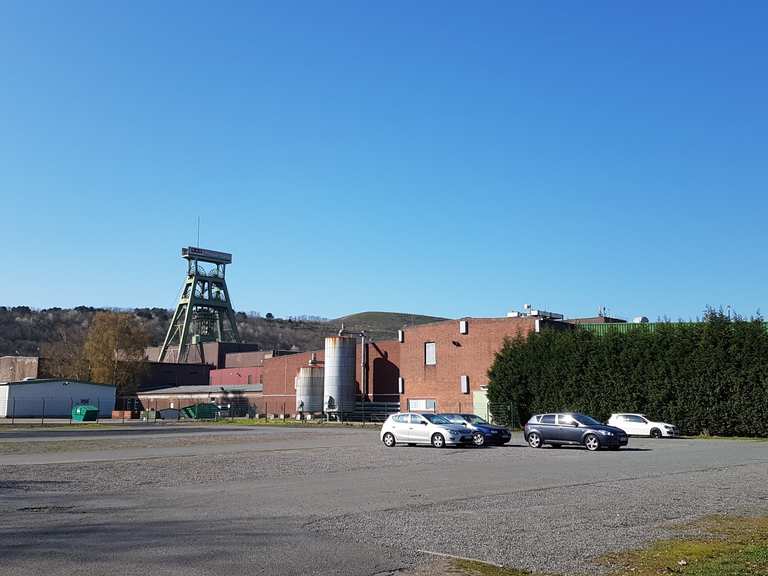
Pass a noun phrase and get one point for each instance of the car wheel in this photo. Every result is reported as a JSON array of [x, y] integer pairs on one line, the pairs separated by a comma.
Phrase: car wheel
[[478, 439], [655, 433], [592, 442], [438, 441], [534, 440], [389, 440]]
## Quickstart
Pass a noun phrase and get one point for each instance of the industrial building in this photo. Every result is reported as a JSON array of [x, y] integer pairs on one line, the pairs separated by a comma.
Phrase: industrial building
[[239, 400], [53, 398], [437, 366], [441, 366]]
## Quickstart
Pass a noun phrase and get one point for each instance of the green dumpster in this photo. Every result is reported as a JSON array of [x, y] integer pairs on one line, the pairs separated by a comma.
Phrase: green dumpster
[[85, 413], [200, 411]]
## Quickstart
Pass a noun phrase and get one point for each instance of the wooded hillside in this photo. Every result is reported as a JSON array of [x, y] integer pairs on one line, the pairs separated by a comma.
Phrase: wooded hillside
[[24, 331]]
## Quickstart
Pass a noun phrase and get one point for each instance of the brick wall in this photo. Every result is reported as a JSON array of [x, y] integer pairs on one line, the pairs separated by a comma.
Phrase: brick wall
[[228, 376], [16, 368], [383, 370], [215, 352], [167, 374], [277, 376], [457, 354]]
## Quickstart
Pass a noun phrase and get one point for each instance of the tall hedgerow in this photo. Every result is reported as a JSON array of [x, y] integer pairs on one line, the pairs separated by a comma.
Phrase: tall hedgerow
[[707, 377]]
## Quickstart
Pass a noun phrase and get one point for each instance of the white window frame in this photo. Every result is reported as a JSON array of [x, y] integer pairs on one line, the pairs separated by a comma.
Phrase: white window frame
[[422, 405], [428, 356]]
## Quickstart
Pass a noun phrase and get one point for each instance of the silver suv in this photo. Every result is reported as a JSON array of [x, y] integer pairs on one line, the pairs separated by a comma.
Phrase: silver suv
[[411, 428]]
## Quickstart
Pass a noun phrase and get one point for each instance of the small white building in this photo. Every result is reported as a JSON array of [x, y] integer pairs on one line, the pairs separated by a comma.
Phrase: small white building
[[53, 397]]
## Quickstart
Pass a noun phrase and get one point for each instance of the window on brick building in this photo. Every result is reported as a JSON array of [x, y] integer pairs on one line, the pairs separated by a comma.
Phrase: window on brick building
[[425, 405], [430, 353], [250, 379]]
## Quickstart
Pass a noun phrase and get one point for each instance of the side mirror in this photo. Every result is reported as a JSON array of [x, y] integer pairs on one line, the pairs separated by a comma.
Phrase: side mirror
[[424, 422]]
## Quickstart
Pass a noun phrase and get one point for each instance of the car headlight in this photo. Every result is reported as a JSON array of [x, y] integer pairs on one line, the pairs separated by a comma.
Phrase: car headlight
[[669, 427], [605, 432]]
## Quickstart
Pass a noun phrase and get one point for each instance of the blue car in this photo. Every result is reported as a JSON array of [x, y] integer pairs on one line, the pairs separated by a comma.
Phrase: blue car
[[483, 432]]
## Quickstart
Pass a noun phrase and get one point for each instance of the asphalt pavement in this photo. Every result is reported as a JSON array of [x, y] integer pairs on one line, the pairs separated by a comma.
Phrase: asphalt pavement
[[336, 501]]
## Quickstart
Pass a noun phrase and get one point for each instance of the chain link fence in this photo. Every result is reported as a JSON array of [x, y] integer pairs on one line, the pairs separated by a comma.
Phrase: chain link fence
[[49, 409], [171, 408]]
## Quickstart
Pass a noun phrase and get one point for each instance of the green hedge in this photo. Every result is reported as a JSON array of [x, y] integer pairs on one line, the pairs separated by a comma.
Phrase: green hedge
[[708, 378]]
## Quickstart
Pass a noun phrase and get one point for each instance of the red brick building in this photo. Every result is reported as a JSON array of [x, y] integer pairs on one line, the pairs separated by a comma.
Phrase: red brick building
[[442, 366], [231, 376], [378, 382]]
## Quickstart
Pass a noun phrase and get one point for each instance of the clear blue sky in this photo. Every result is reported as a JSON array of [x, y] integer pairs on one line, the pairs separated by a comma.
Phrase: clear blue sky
[[447, 158]]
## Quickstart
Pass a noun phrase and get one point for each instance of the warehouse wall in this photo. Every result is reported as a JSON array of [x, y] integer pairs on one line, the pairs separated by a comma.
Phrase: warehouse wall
[[457, 354], [55, 399], [3, 401]]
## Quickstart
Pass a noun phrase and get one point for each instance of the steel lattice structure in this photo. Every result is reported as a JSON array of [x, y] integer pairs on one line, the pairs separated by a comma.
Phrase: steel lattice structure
[[204, 312]]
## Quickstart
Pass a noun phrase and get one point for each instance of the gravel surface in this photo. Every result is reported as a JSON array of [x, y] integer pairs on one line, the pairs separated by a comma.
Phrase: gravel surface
[[335, 501]]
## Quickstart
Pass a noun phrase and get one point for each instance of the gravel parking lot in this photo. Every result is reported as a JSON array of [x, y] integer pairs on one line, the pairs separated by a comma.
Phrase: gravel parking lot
[[285, 500]]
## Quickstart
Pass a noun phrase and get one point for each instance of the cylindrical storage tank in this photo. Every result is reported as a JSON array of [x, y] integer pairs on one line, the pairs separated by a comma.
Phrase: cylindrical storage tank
[[339, 387], [309, 389]]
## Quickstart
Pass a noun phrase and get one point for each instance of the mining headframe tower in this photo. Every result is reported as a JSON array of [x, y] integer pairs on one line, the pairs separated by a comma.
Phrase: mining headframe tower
[[204, 312]]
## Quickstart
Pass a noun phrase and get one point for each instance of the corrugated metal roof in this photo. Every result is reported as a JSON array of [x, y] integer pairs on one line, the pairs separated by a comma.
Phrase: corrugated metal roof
[[49, 380], [180, 390], [624, 328]]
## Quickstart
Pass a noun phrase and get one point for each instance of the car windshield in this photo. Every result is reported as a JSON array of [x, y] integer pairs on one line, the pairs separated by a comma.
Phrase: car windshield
[[473, 419], [436, 419], [586, 420]]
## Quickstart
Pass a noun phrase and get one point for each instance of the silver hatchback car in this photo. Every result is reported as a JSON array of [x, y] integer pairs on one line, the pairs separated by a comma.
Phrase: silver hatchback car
[[411, 428]]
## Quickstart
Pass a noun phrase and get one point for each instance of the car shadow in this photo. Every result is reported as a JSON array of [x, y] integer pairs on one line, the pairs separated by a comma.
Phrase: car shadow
[[577, 447]]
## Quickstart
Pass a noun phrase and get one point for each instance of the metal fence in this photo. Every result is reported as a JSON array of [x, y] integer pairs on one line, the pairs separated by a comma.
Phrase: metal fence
[[374, 412], [52, 409]]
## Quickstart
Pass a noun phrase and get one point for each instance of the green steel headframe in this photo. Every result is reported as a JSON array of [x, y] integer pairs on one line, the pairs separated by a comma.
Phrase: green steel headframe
[[204, 312]]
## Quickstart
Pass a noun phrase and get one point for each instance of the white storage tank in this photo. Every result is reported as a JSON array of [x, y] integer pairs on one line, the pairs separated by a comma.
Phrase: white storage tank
[[339, 387], [309, 389]]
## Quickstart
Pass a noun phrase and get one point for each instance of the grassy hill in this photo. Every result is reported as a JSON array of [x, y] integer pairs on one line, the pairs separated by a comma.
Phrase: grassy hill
[[383, 325]]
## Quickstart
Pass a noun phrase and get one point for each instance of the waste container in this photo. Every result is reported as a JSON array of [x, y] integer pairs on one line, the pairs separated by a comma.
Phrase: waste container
[[85, 413], [200, 411]]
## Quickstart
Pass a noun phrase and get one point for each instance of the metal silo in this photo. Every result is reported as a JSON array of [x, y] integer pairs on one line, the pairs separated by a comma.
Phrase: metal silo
[[309, 389], [339, 388]]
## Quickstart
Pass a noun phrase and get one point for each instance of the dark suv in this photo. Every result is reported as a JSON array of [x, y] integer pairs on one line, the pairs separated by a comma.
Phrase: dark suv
[[573, 428]]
